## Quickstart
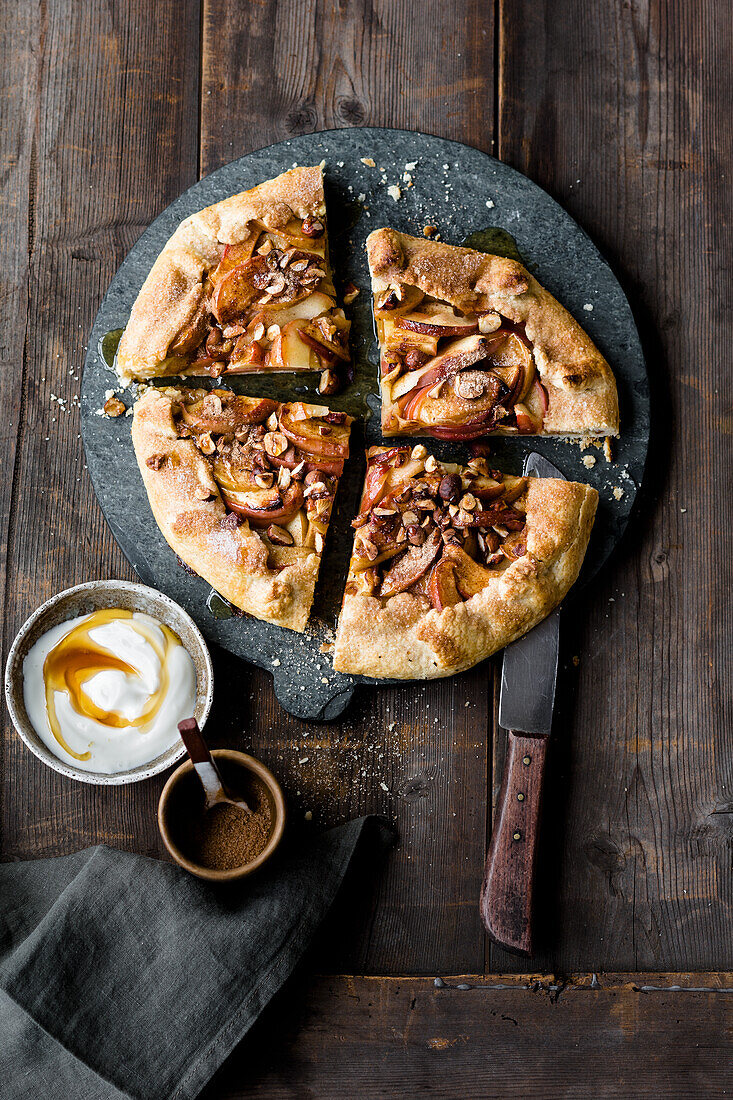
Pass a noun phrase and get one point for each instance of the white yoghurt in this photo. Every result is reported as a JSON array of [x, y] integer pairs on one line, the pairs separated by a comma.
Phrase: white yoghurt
[[105, 692]]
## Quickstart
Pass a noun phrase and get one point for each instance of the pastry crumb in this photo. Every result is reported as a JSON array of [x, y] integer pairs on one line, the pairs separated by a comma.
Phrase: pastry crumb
[[490, 204], [588, 307], [361, 197], [607, 449], [369, 161], [384, 786], [576, 661], [618, 492], [411, 166], [429, 230], [308, 815], [276, 661], [683, 509], [394, 192], [589, 461]]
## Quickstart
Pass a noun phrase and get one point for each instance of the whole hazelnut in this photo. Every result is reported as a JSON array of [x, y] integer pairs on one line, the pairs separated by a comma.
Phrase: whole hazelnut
[[450, 487]]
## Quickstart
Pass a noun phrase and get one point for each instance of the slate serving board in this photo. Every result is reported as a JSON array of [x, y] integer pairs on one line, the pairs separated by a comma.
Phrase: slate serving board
[[461, 191]]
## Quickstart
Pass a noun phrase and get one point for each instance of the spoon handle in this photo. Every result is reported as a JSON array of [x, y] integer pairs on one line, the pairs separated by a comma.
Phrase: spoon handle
[[203, 762], [193, 740]]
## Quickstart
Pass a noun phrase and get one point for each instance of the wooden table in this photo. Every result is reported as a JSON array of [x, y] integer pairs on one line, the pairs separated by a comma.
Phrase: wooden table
[[622, 111]]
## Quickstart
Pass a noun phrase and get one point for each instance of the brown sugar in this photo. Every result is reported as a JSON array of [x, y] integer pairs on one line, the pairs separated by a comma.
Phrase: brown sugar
[[226, 836]]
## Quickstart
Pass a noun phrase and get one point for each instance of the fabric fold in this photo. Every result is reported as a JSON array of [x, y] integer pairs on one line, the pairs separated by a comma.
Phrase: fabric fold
[[122, 976]]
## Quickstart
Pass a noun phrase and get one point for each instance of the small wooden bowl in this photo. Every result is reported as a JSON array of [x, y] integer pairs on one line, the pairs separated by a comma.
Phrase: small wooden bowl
[[167, 827]]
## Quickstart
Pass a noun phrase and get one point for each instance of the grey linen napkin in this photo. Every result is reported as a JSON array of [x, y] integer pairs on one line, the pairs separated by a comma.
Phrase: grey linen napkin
[[124, 977]]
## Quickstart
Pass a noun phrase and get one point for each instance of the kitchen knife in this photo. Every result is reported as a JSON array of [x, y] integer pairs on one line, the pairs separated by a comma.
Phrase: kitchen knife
[[528, 676]]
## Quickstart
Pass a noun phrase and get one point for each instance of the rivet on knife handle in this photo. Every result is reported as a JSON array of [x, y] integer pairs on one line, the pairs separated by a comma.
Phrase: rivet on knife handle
[[506, 892]]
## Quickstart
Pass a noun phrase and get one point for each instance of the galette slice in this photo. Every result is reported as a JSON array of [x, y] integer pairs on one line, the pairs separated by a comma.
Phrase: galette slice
[[243, 286], [451, 563], [242, 490], [472, 345]]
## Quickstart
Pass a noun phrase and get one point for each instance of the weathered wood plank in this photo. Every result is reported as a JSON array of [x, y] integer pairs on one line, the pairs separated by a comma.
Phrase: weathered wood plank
[[621, 111], [500, 1037], [18, 169], [419, 754], [105, 117]]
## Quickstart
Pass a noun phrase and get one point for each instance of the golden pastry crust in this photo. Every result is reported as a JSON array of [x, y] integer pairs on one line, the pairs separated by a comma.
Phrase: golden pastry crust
[[580, 386], [403, 637], [273, 583], [173, 298]]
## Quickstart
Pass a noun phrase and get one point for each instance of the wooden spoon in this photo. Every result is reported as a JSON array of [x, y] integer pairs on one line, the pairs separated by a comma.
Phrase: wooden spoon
[[206, 769]]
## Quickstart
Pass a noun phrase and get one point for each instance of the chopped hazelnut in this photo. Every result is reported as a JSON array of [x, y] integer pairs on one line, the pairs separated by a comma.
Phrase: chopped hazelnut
[[273, 422], [279, 535], [329, 382], [431, 464], [449, 487], [312, 227], [415, 534], [284, 477], [113, 407], [206, 443], [264, 481], [429, 230], [469, 502], [419, 452], [319, 542], [351, 293], [275, 443], [155, 461]]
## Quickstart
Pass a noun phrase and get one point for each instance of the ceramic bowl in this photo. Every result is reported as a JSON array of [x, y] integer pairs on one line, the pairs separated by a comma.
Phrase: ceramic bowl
[[81, 600], [171, 803]]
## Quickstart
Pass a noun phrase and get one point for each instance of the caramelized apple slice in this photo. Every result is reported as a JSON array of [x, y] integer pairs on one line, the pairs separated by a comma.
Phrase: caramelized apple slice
[[223, 412], [442, 585], [289, 351], [403, 341], [313, 436], [192, 334], [265, 506], [240, 288], [411, 566], [438, 320], [470, 577], [234, 255]]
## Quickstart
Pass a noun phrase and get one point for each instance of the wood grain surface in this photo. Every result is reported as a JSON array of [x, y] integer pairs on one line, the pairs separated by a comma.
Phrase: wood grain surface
[[621, 111], [625, 1036]]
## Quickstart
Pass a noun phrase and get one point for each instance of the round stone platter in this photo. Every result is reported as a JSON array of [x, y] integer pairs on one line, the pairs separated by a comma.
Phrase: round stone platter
[[442, 183]]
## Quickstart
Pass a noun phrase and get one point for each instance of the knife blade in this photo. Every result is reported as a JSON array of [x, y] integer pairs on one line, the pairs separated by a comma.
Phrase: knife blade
[[526, 701]]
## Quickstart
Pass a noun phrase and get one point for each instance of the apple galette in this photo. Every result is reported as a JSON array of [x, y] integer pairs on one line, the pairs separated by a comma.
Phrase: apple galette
[[242, 489], [451, 563], [472, 345], [243, 286]]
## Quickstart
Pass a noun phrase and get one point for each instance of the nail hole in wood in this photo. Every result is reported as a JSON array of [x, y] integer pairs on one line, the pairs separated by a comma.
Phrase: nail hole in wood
[[526, 760], [520, 797], [517, 836]]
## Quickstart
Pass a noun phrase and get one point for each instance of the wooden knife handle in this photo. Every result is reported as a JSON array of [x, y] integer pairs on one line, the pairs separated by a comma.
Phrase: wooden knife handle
[[506, 892]]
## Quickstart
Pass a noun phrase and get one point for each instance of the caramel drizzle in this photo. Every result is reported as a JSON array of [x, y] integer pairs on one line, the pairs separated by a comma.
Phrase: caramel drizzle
[[77, 658]]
